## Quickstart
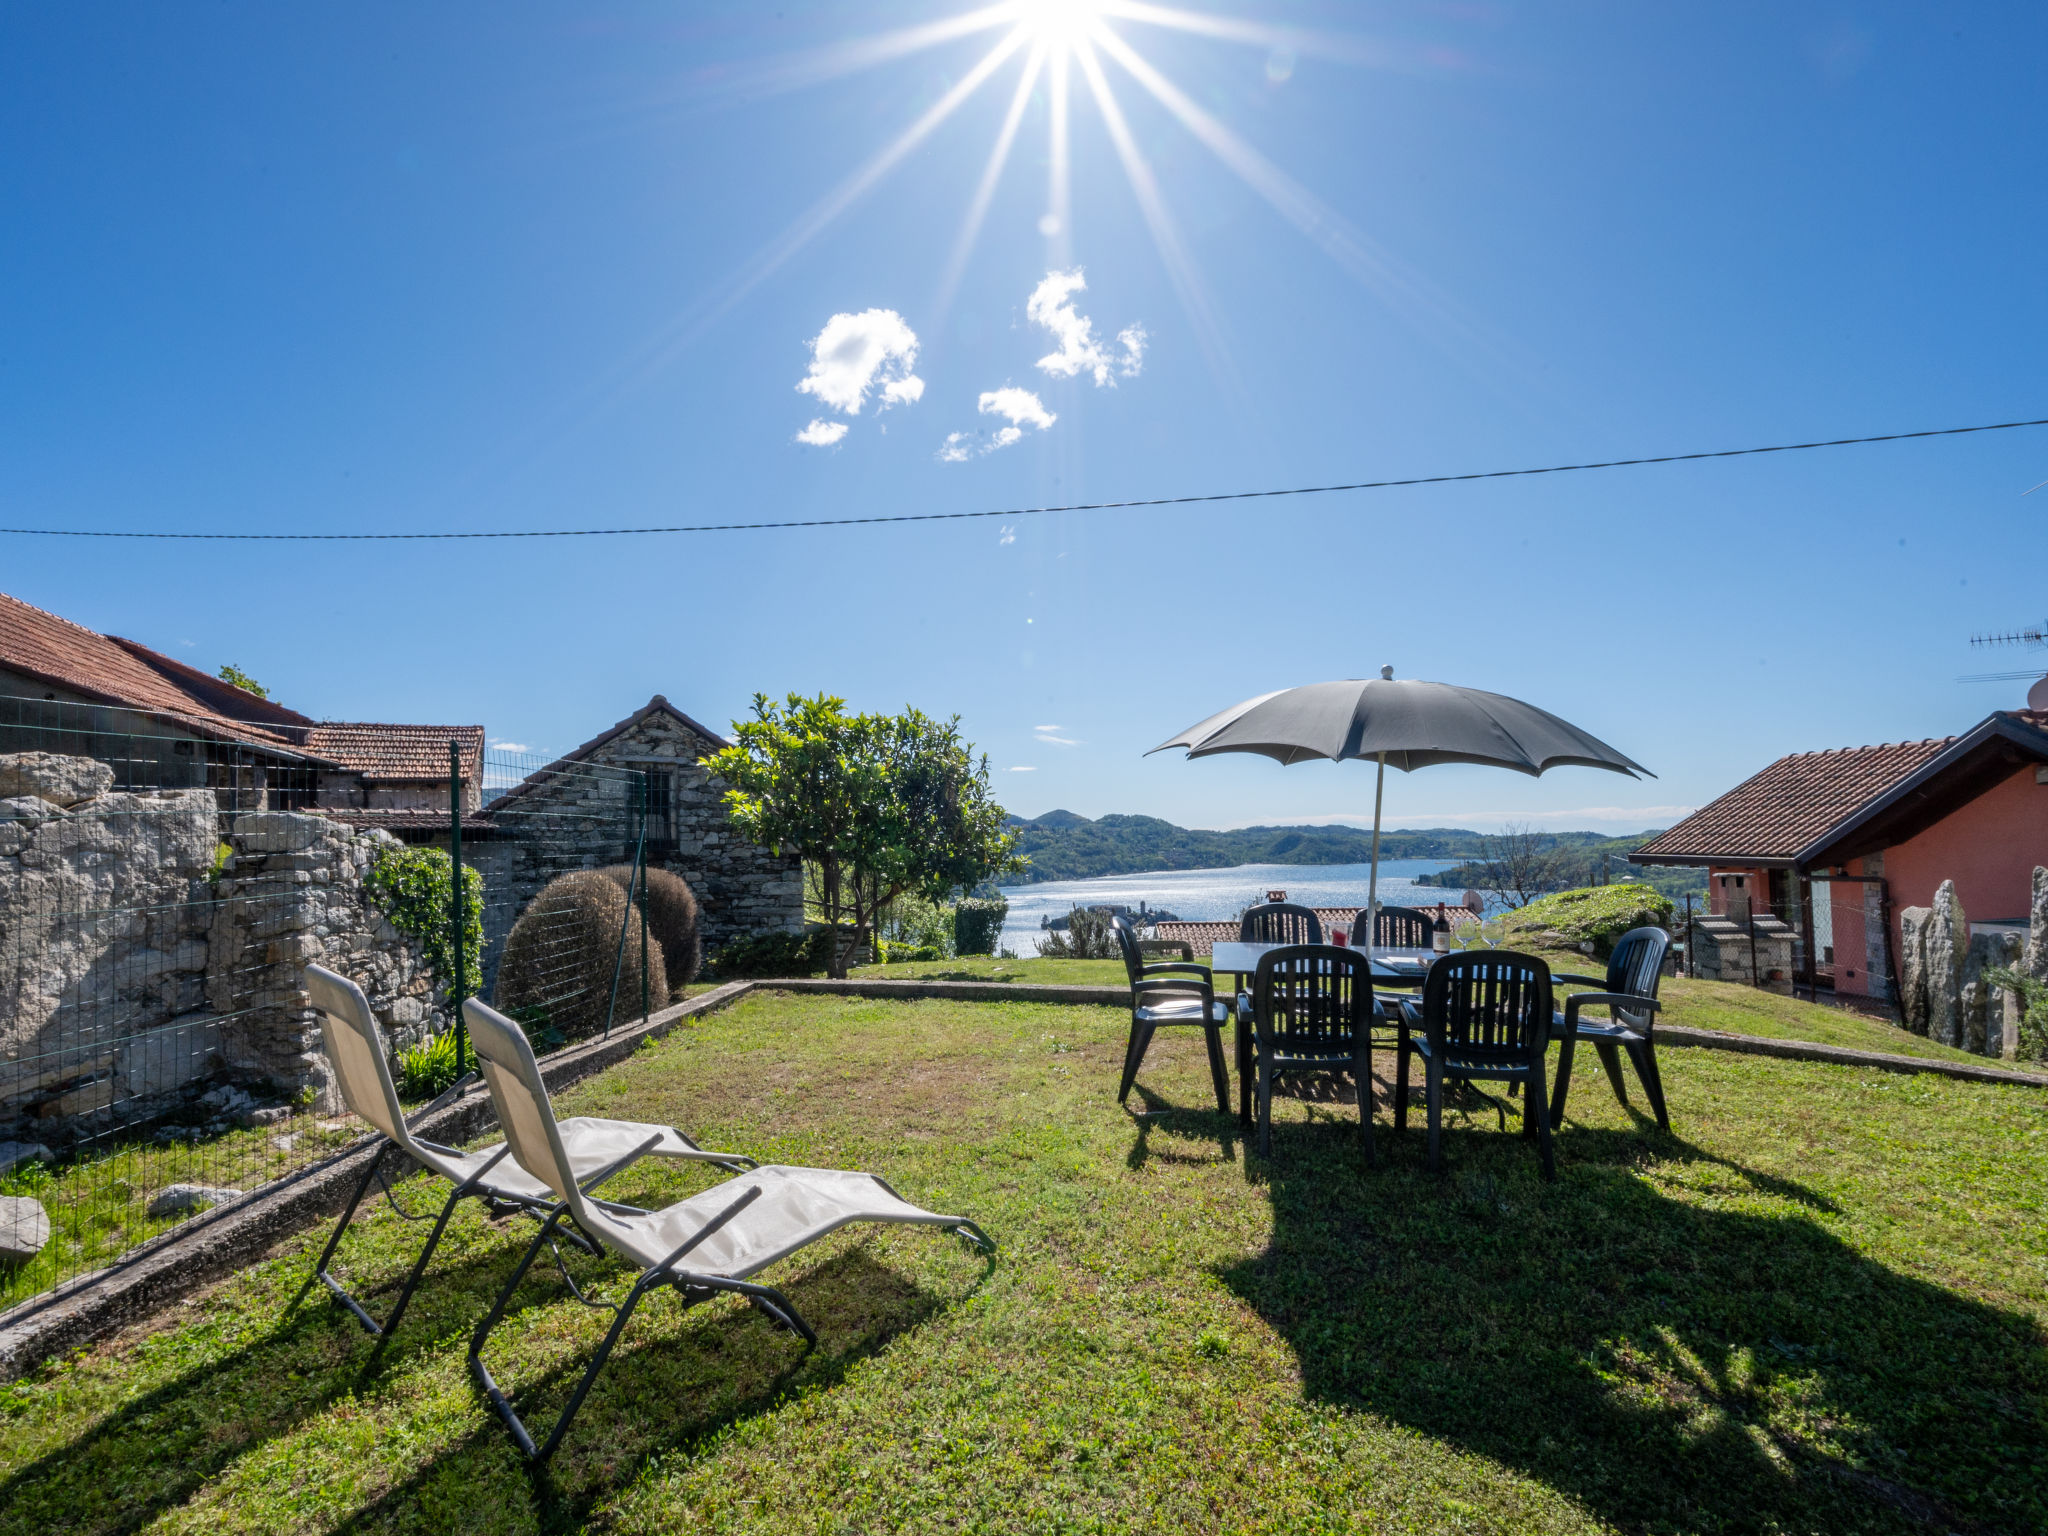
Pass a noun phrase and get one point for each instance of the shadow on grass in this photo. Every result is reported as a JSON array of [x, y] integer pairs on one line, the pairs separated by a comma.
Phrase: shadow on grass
[[663, 1389], [661, 1395], [157, 1450], [1184, 1124], [1670, 1364]]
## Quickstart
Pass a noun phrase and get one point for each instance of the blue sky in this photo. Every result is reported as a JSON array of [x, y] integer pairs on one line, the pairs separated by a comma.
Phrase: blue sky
[[382, 268]]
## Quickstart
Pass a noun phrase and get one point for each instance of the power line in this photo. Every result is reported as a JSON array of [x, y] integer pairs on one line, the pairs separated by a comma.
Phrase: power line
[[1084, 506]]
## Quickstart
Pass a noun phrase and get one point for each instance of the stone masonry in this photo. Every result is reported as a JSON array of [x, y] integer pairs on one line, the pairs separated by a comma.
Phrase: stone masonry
[[150, 949]]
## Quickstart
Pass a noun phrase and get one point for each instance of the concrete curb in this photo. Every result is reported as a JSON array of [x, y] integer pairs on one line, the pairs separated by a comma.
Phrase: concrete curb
[[238, 1234], [1843, 1056]]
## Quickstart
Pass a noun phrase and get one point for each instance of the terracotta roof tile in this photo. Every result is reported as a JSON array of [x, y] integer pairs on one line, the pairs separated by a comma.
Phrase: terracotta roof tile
[[1203, 937], [83, 661], [1791, 803], [403, 753]]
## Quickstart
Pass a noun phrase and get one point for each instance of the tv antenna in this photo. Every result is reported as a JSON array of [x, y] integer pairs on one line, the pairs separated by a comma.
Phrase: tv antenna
[[2033, 637]]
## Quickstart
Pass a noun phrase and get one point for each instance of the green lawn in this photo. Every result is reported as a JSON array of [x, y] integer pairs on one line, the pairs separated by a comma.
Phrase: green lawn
[[1819, 1306], [1700, 1004]]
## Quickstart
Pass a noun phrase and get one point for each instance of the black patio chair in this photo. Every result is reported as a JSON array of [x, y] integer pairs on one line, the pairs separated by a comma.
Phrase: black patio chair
[[1313, 1012], [1403, 928], [1170, 994], [1272, 922], [1485, 1015], [1629, 994], [1279, 922]]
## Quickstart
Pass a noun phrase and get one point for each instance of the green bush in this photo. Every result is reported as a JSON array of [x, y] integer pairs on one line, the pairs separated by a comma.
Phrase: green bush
[[1596, 915], [1088, 936], [978, 924], [773, 954], [911, 922], [428, 1068], [413, 887], [899, 951]]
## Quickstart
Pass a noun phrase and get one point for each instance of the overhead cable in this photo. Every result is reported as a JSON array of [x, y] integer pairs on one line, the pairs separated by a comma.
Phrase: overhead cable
[[1082, 506]]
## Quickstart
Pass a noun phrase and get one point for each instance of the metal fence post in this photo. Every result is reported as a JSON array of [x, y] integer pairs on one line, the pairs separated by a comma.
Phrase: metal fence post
[[633, 887], [645, 1000], [458, 915]]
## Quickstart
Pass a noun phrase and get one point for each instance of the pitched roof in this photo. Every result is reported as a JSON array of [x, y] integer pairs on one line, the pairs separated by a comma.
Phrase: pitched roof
[[401, 822], [110, 670], [1825, 807], [657, 704], [397, 753]]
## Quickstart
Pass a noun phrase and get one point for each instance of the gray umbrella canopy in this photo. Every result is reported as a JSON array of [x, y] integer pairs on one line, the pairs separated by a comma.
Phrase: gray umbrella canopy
[[1417, 725], [1406, 724]]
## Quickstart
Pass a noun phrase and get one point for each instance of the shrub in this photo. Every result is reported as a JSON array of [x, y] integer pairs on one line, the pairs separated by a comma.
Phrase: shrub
[[671, 917], [1596, 915], [555, 975], [899, 951], [428, 1068], [914, 923], [412, 888], [1088, 936], [774, 954], [978, 924]]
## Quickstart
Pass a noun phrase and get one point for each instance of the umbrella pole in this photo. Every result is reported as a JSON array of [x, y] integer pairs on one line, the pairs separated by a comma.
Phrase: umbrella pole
[[1372, 889]]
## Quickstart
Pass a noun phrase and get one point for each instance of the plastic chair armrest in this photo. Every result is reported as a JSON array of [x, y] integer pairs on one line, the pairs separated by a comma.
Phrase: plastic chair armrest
[[1628, 1001], [1581, 981]]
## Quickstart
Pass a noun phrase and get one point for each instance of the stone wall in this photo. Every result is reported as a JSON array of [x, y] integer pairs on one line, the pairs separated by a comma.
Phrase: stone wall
[[150, 949], [1720, 950]]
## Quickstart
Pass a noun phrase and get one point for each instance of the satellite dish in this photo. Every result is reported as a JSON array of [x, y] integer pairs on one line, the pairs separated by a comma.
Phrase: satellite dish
[[2037, 696]]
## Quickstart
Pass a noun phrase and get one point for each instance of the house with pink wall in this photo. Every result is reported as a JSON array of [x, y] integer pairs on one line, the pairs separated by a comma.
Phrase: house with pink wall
[[1835, 844]]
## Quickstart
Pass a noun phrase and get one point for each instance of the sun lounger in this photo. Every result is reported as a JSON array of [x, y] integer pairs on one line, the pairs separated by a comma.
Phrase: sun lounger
[[726, 1233], [596, 1149]]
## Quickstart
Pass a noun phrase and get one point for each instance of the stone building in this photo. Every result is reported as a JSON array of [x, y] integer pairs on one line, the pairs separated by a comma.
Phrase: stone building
[[741, 887], [160, 724]]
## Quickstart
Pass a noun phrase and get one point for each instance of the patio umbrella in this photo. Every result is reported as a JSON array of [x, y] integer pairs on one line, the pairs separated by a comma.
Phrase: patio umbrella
[[1408, 724]]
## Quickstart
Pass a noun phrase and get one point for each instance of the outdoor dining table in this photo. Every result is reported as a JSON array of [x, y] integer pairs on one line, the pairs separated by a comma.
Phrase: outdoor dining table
[[1401, 967]]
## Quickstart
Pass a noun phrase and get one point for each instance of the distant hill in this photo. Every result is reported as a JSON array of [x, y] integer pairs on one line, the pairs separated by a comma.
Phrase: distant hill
[[1063, 846]]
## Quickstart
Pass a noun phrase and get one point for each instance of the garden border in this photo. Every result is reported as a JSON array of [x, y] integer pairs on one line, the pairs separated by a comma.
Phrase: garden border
[[223, 1240]]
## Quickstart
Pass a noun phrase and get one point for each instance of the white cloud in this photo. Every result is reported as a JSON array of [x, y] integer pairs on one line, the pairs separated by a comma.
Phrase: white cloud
[[1020, 406], [1009, 533], [1048, 727], [855, 353], [1024, 768], [1049, 735], [1051, 306], [510, 746], [821, 433]]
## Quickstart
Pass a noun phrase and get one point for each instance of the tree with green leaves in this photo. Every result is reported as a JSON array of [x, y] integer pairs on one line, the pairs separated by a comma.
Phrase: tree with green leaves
[[877, 807], [242, 680]]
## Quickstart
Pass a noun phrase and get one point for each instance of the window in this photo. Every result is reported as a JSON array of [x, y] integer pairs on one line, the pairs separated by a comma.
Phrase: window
[[660, 805]]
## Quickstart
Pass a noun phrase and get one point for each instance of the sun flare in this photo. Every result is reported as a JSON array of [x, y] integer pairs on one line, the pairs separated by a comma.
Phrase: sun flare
[[1061, 25]]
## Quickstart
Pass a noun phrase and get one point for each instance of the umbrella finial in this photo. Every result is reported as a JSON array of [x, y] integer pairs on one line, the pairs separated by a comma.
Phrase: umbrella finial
[[1387, 672]]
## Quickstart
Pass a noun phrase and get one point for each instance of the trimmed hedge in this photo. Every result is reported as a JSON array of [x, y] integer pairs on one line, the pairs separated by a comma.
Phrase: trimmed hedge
[[978, 924], [555, 976], [773, 955], [671, 917]]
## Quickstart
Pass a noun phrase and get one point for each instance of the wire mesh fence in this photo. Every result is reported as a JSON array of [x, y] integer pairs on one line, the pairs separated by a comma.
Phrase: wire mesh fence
[[162, 886]]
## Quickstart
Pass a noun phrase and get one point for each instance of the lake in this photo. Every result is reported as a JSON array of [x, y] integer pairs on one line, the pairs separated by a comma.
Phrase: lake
[[1205, 895]]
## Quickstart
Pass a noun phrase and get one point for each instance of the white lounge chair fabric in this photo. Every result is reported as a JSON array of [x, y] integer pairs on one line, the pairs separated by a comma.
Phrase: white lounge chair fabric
[[709, 1242], [594, 1148]]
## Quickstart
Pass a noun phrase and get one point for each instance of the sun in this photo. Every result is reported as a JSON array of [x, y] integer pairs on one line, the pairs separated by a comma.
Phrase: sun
[[1059, 25]]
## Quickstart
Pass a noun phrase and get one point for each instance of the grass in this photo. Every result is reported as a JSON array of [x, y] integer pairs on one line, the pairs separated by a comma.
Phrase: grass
[[1819, 1306], [98, 1204], [1718, 1005]]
